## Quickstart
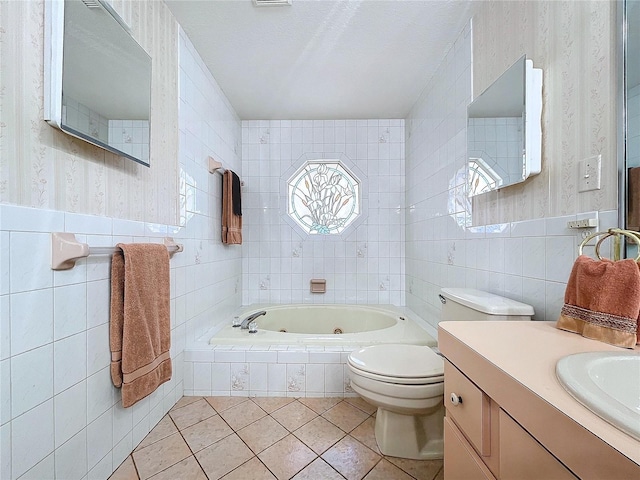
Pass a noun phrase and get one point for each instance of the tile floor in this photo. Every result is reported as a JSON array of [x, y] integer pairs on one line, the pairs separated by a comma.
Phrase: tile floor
[[238, 438]]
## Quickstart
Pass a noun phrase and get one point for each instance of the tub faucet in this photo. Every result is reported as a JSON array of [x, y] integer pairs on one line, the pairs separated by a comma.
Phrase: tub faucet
[[251, 318]]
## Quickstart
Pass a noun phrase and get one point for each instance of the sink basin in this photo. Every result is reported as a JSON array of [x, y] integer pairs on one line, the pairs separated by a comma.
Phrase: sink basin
[[607, 383]]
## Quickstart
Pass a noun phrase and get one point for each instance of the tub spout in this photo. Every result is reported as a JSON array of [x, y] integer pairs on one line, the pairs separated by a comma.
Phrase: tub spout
[[250, 318]]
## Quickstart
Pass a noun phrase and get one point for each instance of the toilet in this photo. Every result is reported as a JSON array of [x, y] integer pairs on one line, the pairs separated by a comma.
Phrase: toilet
[[406, 382]]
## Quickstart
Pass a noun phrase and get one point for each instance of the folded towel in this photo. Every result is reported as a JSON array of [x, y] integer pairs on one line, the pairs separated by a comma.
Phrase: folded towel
[[602, 301], [231, 221], [633, 198], [140, 330]]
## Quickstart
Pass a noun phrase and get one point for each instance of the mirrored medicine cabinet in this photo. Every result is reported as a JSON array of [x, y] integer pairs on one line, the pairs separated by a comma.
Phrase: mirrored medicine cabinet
[[97, 78], [629, 129], [504, 132]]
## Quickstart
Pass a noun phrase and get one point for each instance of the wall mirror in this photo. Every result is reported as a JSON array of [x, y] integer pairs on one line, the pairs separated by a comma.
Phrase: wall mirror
[[97, 78], [504, 133]]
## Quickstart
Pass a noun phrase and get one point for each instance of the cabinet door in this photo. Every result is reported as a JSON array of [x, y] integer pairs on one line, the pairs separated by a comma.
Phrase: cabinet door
[[523, 458], [461, 462]]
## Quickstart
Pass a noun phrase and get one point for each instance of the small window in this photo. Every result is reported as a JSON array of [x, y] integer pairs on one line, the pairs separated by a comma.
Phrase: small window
[[323, 197]]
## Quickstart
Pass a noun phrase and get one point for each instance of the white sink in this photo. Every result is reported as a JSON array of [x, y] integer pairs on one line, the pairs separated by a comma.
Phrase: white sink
[[607, 383]]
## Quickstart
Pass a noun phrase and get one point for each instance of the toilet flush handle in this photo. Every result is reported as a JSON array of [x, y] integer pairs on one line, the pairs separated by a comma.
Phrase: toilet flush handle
[[455, 398]]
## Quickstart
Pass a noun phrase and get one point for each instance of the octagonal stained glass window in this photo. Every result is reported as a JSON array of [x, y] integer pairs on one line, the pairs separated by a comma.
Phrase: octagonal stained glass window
[[324, 197]]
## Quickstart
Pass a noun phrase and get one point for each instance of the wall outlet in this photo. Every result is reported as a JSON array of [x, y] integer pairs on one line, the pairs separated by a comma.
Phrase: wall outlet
[[589, 171], [584, 223]]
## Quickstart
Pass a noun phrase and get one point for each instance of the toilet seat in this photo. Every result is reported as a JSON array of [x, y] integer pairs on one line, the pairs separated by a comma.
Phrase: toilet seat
[[398, 364]]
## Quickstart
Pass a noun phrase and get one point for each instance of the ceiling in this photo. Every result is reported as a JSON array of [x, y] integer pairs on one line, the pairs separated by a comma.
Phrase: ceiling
[[322, 59]]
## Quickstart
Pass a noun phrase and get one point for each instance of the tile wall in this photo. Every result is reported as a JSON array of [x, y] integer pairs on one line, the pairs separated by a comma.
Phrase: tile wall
[[528, 260], [366, 263], [59, 413]]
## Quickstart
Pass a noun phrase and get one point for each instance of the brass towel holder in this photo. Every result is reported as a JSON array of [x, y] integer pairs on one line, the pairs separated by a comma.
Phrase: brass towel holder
[[617, 233]]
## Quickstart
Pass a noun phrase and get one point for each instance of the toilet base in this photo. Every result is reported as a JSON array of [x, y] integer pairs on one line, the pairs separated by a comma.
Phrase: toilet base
[[418, 437]]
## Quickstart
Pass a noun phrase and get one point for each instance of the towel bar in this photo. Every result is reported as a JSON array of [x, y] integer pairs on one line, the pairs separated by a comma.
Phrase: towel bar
[[216, 167], [617, 232], [65, 250]]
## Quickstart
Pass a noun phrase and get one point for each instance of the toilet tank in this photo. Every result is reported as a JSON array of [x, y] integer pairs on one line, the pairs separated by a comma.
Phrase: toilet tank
[[471, 304]]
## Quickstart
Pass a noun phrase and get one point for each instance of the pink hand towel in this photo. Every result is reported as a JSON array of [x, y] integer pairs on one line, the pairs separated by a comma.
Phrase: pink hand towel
[[602, 301]]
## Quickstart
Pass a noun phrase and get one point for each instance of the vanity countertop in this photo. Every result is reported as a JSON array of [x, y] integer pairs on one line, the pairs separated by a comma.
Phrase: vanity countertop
[[525, 354]]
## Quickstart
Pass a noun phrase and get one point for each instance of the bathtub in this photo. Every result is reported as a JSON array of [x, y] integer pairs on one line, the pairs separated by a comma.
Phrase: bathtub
[[353, 325]]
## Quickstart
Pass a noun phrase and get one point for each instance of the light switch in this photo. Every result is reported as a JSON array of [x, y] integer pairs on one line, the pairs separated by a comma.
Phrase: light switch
[[589, 173]]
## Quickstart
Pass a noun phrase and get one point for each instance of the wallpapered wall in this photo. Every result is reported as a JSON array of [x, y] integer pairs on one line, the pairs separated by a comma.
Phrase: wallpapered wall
[[42, 167], [575, 45]]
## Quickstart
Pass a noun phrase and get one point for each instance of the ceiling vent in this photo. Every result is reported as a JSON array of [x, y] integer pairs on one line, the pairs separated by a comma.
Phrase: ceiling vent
[[271, 3], [92, 3]]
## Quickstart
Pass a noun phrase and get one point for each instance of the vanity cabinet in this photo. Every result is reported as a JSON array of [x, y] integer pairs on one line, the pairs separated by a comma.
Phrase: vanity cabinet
[[484, 442], [508, 417]]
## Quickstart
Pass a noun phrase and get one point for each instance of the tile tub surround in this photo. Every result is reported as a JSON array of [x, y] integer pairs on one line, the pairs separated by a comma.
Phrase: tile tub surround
[[278, 370], [239, 438], [365, 265]]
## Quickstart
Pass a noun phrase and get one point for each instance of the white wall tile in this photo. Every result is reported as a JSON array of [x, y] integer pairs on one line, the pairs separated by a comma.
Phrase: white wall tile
[[70, 412], [100, 394], [30, 265], [98, 350], [31, 379], [5, 327], [71, 458], [5, 391], [258, 380], [99, 438], [70, 361], [31, 320], [220, 376], [69, 310], [28, 449], [5, 451], [43, 469]]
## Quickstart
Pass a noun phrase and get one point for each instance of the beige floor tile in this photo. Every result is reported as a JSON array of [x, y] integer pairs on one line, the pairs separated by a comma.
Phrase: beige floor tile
[[191, 414], [126, 471], [320, 405], [187, 469], [365, 433], [387, 471], [206, 432], [163, 429], [160, 455], [185, 401], [224, 456], [271, 404], [358, 402], [440, 475], [419, 469], [345, 416], [242, 415], [319, 434], [318, 469], [294, 415], [287, 457], [223, 403], [351, 458], [254, 469], [262, 434]]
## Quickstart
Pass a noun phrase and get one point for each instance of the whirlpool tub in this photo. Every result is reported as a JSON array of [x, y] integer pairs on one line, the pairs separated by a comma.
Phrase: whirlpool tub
[[326, 325]]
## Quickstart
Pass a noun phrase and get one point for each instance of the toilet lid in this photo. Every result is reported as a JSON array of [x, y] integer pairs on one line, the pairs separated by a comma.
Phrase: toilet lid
[[400, 361]]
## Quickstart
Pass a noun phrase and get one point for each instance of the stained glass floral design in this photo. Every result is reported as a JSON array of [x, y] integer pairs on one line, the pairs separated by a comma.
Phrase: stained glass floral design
[[324, 197]]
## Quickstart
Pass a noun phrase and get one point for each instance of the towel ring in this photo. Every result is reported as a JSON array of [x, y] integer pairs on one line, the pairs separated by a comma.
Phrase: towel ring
[[635, 236]]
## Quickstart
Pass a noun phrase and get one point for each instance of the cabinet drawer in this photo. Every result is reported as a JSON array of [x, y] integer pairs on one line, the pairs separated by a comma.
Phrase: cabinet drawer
[[471, 412], [523, 458], [461, 462]]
